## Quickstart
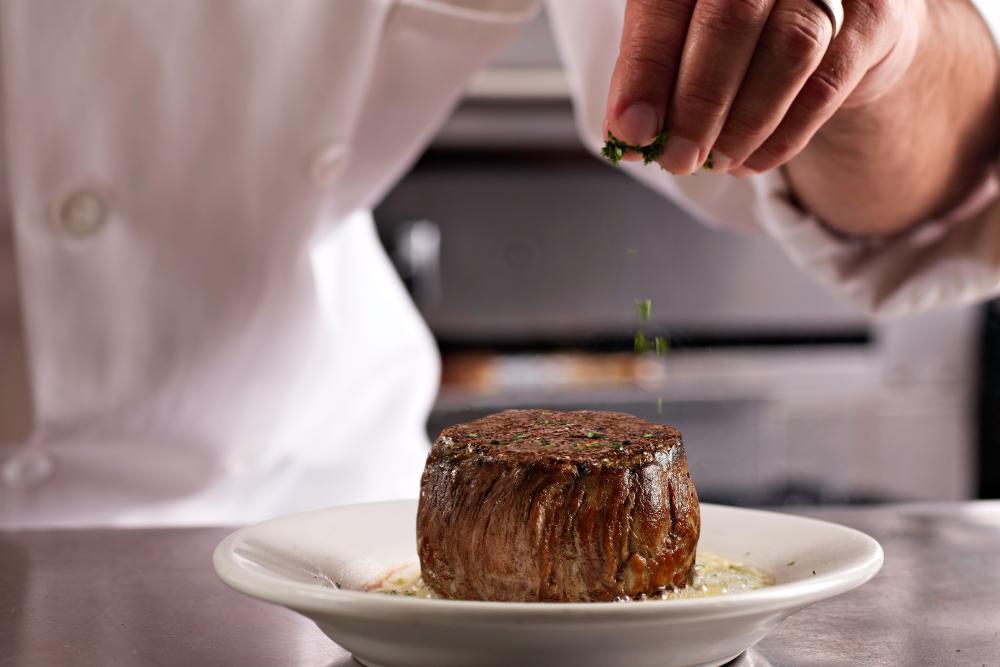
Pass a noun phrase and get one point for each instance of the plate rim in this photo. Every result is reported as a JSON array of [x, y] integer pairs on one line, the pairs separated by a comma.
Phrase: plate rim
[[317, 598]]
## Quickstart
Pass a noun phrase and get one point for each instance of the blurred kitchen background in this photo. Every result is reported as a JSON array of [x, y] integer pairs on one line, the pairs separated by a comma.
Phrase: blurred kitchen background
[[526, 254]]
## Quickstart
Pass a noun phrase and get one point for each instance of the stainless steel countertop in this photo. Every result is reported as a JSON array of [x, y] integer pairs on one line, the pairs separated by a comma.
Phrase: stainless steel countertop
[[150, 597]]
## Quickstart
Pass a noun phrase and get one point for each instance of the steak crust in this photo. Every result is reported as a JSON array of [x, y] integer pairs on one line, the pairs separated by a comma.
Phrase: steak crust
[[537, 505]]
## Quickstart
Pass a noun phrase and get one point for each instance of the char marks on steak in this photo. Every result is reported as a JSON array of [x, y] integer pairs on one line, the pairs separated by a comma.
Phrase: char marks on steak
[[538, 505]]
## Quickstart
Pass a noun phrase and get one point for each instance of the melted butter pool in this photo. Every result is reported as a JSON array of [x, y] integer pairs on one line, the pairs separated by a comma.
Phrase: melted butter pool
[[713, 575]]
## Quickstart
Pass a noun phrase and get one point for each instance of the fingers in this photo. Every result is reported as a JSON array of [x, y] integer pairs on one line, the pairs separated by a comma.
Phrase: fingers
[[749, 81], [718, 50], [793, 44], [819, 99], [646, 70], [867, 39]]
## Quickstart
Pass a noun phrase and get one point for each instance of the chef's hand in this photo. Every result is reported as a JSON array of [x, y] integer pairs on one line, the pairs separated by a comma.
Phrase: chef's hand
[[751, 80]]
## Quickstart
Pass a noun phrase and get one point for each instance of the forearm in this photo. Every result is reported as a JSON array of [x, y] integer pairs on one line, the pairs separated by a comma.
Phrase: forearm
[[919, 149]]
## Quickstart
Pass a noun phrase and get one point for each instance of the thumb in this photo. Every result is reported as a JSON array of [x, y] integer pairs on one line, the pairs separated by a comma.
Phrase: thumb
[[648, 60]]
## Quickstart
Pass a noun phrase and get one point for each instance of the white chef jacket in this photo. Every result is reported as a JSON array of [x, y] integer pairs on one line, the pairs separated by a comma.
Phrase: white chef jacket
[[197, 324]]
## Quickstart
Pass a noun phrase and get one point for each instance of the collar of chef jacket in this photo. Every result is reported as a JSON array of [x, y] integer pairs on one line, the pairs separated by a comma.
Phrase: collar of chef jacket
[[213, 332]]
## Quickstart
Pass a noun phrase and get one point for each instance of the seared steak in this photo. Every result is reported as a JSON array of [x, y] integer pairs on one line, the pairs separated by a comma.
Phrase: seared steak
[[535, 505]]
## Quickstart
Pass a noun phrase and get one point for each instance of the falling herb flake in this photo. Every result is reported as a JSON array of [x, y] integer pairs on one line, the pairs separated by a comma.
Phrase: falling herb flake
[[647, 435], [631, 252], [659, 406], [640, 341], [644, 307], [473, 435], [790, 563], [593, 435], [661, 346]]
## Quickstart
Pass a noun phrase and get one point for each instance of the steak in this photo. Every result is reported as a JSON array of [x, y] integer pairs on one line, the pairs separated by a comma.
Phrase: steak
[[536, 505]]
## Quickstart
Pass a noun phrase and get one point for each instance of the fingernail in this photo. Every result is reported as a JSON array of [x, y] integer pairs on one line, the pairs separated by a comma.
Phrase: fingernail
[[638, 124], [743, 172], [720, 161], [681, 155]]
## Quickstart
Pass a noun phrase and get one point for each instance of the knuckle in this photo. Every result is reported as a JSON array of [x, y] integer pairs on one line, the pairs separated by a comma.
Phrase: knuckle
[[729, 17], [648, 42], [822, 92], [661, 11], [651, 61], [744, 125], [701, 101], [750, 10], [870, 15], [799, 36], [778, 150]]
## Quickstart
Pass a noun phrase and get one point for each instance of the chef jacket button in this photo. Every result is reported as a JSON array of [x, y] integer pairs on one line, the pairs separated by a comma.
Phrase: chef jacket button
[[327, 164], [27, 469], [81, 214]]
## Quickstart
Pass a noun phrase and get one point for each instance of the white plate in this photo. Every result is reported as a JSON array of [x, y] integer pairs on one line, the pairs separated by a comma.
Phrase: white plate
[[298, 561]]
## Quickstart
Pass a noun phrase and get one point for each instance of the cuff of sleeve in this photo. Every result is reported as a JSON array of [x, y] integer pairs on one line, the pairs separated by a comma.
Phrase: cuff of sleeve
[[947, 262]]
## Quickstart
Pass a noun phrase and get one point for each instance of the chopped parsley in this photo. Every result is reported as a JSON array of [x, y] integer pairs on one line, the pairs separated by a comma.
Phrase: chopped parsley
[[661, 345], [640, 341], [593, 435], [644, 308], [615, 149]]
